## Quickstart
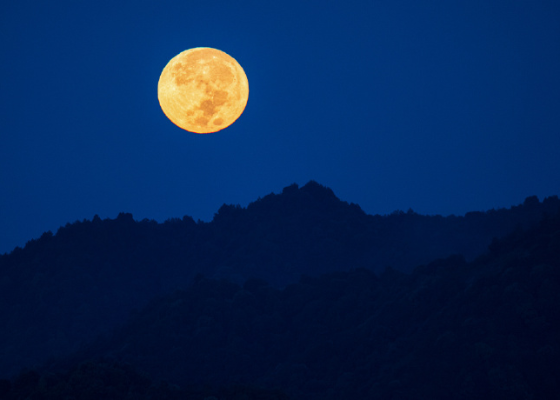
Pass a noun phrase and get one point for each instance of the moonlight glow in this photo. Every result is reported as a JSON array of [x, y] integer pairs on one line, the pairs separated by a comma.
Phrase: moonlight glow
[[203, 90]]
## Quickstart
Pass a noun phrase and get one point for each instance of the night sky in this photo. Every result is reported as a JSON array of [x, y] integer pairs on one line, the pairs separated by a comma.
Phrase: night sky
[[444, 107]]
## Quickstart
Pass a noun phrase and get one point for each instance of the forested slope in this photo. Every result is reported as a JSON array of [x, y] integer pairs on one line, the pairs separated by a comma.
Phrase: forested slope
[[451, 329], [66, 288]]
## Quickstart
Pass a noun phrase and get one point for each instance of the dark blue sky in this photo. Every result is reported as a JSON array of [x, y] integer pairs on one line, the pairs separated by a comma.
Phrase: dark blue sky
[[440, 106]]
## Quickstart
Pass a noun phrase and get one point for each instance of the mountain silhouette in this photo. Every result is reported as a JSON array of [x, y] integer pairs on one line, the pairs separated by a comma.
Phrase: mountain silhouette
[[450, 329], [63, 290]]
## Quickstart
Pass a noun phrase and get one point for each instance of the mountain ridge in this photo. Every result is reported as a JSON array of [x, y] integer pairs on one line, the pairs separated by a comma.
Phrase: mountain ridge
[[450, 329], [86, 279]]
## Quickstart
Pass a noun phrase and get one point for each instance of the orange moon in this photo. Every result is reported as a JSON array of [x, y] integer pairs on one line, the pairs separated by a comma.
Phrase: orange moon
[[203, 90]]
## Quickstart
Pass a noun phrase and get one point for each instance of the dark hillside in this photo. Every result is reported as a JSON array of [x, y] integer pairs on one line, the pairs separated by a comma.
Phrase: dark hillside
[[67, 288], [448, 330], [109, 380]]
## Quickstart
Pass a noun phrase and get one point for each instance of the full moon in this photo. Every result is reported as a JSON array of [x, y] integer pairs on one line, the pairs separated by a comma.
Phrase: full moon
[[203, 90]]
